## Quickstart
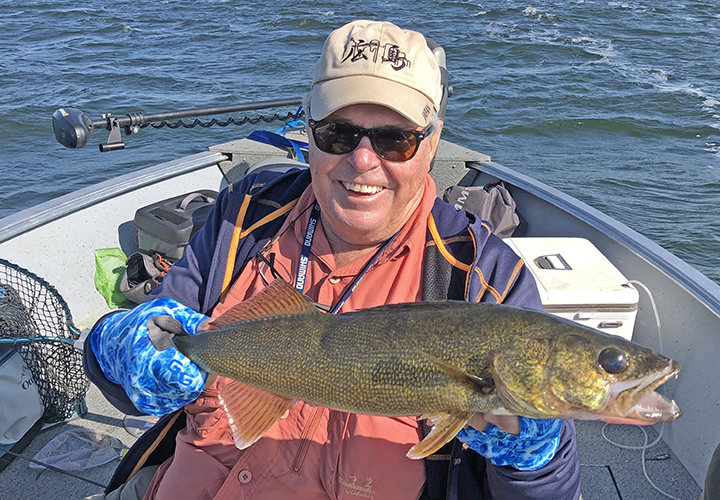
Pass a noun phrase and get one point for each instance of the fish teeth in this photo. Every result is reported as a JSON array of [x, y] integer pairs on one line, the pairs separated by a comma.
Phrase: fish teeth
[[361, 188]]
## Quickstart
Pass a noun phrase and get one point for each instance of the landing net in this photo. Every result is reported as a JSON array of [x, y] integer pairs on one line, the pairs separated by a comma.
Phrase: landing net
[[36, 320]]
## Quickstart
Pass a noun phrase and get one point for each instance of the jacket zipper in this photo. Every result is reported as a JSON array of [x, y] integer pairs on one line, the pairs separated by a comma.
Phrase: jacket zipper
[[306, 438]]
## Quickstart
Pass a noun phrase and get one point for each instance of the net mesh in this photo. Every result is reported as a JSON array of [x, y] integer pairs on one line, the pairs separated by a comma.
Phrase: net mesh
[[37, 319]]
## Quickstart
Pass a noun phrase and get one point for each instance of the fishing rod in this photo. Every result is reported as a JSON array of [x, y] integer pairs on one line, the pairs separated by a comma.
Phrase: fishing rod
[[72, 127]]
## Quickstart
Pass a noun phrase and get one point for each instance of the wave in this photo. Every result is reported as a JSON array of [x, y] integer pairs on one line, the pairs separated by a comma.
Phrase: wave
[[626, 126], [538, 14]]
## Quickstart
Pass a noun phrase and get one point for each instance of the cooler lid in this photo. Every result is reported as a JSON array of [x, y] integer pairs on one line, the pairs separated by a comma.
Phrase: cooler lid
[[572, 271]]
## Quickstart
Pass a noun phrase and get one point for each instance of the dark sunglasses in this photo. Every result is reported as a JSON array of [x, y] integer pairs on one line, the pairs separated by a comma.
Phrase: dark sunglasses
[[339, 138]]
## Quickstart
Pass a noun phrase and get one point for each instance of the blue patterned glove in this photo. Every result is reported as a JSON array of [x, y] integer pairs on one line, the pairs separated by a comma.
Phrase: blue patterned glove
[[157, 382], [533, 448]]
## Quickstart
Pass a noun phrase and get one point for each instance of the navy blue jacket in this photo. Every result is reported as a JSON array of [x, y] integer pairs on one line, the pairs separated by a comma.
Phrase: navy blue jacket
[[463, 260]]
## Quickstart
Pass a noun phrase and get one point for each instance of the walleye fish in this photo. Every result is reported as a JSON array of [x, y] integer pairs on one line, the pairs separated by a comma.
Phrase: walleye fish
[[440, 360]]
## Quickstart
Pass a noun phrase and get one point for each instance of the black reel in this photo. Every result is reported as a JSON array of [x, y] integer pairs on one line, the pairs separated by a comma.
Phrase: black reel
[[72, 128]]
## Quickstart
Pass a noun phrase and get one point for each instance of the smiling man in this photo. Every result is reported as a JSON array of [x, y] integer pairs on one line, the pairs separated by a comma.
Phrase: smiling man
[[361, 228], [365, 198]]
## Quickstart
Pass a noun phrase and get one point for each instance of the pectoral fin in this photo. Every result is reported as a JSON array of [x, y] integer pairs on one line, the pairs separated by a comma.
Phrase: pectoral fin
[[476, 384], [251, 411], [447, 425]]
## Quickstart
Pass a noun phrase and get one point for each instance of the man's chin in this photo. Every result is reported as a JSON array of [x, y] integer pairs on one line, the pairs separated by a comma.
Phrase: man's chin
[[359, 228]]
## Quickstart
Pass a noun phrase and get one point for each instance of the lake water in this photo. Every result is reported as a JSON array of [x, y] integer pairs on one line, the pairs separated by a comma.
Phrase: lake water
[[615, 103]]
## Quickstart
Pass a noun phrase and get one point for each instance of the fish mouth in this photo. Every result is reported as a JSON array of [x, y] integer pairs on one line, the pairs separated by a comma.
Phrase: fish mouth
[[639, 404], [633, 402]]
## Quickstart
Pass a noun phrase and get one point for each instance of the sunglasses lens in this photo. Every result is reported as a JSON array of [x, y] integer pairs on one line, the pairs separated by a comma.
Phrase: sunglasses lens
[[336, 138], [394, 145], [340, 138]]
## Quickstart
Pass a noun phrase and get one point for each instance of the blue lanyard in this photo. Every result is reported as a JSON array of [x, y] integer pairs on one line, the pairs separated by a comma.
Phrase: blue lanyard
[[305, 259], [357, 279], [305, 251]]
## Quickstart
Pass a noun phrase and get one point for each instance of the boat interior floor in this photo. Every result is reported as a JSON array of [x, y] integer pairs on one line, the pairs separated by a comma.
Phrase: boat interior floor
[[610, 472]]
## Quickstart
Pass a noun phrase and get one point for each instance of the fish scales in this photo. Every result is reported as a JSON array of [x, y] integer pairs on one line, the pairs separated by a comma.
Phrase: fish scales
[[373, 362]]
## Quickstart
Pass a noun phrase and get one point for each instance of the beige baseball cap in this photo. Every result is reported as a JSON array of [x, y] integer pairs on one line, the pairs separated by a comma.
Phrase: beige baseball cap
[[370, 62]]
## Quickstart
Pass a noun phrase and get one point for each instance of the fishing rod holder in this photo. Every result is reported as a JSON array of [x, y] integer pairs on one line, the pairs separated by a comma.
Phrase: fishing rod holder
[[114, 141], [73, 128]]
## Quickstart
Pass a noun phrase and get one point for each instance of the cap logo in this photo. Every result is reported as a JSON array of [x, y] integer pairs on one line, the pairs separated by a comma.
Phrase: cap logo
[[357, 50]]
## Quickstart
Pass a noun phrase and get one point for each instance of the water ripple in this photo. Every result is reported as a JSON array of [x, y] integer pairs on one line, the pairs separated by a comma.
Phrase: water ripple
[[602, 100]]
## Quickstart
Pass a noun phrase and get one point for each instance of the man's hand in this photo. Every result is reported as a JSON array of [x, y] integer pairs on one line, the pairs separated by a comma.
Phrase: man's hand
[[157, 382], [508, 423], [519, 442]]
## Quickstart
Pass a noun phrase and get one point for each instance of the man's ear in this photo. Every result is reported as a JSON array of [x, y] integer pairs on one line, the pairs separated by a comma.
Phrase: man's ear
[[434, 141]]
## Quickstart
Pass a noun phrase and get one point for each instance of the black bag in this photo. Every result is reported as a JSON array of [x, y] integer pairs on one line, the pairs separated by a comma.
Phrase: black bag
[[143, 274], [491, 202]]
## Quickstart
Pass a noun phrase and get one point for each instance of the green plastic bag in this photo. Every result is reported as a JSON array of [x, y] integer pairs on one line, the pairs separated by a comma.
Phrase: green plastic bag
[[109, 270]]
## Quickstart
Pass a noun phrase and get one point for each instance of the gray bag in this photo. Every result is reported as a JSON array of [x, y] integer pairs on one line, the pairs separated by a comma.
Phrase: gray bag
[[20, 404], [491, 203]]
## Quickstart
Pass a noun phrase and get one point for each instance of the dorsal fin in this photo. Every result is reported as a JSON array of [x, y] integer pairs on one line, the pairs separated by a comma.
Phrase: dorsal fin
[[277, 299]]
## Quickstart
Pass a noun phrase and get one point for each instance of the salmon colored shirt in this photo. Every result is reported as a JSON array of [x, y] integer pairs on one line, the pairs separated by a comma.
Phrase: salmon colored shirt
[[314, 452]]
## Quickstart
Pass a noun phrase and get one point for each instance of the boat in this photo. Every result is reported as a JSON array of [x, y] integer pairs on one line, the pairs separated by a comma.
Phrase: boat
[[677, 313]]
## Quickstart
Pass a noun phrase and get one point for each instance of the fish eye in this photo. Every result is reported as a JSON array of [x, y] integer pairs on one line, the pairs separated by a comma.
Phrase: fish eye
[[613, 360]]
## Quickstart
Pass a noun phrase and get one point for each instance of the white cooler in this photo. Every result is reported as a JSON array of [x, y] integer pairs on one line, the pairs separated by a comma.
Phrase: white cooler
[[577, 282]]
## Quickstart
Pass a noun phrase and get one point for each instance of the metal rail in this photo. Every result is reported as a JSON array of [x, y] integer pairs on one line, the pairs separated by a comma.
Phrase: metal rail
[[72, 127]]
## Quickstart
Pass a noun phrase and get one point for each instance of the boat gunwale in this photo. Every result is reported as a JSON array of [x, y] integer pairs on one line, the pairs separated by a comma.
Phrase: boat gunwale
[[690, 279], [51, 210]]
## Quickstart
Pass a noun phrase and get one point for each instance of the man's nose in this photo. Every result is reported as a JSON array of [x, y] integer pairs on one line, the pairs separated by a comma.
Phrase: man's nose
[[364, 157]]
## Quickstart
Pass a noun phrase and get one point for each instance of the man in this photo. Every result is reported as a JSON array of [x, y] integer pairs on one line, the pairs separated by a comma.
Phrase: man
[[361, 228]]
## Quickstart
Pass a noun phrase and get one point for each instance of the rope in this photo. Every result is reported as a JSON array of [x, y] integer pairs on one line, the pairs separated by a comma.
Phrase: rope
[[229, 121]]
